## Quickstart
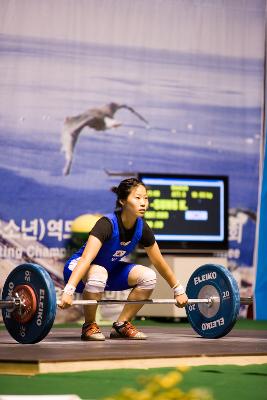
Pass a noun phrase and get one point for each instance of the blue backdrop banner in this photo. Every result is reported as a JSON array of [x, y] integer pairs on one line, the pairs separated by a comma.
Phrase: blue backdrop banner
[[189, 74]]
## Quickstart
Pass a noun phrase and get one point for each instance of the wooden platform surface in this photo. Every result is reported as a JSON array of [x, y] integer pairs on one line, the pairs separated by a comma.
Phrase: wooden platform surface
[[64, 347]]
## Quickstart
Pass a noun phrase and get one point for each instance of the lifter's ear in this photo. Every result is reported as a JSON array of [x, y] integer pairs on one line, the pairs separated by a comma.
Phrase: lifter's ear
[[121, 202]]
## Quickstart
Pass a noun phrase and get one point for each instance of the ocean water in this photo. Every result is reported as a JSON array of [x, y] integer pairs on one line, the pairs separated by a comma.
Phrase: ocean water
[[204, 114]]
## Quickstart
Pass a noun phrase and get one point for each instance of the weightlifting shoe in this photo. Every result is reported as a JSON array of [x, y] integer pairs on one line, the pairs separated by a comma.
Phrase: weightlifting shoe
[[91, 331], [126, 330]]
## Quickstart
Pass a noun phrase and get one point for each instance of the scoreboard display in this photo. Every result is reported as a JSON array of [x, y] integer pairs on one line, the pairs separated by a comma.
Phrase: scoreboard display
[[187, 212]]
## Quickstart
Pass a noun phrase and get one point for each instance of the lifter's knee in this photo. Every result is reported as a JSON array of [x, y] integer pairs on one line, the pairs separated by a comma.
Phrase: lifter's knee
[[96, 279], [146, 278]]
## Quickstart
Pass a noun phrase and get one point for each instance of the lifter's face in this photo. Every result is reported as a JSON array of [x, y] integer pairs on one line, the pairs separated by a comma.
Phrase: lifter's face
[[137, 202]]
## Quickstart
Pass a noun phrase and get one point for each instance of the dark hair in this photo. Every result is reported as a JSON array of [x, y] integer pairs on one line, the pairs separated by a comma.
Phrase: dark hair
[[124, 189]]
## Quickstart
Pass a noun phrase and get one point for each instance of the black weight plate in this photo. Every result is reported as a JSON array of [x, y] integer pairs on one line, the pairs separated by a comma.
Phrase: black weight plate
[[215, 320], [40, 281]]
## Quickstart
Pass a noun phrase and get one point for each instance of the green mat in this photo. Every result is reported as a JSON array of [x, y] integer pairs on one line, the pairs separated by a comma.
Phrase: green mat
[[225, 382]]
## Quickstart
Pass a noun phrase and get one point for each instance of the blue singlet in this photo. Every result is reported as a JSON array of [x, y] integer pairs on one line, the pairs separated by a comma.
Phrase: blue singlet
[[109, 257]]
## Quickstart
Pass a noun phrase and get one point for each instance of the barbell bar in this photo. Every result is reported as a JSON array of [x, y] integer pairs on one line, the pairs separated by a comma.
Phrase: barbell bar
[[29, 302], [209, 300], [16, 302]]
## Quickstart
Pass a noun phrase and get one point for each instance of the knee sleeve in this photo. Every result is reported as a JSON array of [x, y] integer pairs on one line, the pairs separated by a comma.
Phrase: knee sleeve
[[147, 279], [97, 279]]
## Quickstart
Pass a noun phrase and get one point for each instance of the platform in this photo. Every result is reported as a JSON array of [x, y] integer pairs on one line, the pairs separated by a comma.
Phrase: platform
[[63, 351]]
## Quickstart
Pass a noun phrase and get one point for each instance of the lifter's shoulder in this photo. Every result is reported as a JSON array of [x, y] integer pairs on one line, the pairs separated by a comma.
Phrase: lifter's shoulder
[[102, 229]]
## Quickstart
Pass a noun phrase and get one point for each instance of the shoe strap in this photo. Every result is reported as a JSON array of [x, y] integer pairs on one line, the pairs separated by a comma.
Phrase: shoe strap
[[127, 325], [91, 327]]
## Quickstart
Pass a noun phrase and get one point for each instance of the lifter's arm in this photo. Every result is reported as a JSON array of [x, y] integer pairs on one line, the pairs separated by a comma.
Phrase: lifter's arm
[[90, 252], [165, 271]]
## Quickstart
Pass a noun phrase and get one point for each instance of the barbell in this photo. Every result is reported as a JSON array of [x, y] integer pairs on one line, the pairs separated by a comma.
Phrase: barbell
[[29, 302]]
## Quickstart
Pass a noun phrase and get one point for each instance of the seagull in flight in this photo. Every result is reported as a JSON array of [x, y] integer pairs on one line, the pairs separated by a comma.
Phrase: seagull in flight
[[100, 119]]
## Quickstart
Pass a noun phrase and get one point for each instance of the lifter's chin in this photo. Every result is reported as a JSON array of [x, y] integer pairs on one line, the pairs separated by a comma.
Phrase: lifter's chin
[[141, 214]]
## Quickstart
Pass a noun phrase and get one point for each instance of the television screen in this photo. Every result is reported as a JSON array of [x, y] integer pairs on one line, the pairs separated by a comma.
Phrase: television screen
[[188, 212]]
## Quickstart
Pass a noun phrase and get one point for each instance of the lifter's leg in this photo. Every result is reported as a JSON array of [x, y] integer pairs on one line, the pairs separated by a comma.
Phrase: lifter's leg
[[130, 310], [90, 311], [144, 280], [94, 287]]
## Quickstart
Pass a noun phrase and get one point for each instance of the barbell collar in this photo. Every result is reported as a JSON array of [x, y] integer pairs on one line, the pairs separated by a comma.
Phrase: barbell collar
[[10, 304], [246, 300]]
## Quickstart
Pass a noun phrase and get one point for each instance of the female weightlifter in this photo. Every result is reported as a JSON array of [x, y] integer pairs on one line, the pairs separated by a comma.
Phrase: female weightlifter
[[98, 265]]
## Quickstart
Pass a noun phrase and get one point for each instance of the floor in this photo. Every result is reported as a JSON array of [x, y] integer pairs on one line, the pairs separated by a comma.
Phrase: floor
[[63, 351]]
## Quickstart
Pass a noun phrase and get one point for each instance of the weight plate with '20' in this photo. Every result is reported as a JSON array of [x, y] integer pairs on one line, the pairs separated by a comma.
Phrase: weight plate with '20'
[[218, 318]]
